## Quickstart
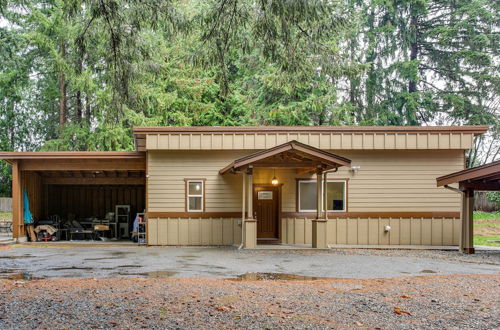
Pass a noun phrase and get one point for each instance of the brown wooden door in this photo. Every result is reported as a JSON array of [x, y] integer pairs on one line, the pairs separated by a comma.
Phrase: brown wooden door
[[266, 210]]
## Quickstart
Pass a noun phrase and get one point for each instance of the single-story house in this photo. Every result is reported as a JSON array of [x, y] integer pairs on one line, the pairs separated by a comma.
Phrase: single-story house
[[242, 186]]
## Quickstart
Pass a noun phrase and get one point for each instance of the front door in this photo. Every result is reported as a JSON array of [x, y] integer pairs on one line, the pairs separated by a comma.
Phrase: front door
[[266, 209]]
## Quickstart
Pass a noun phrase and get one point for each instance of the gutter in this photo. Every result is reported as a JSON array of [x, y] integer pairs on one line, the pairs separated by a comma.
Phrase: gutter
[[243, 209], [453, 189], [325, 180]]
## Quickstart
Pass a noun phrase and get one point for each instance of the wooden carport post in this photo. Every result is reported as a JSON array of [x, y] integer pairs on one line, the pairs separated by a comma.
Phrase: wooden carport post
[[319, 240], [17, 202], [467, 235]]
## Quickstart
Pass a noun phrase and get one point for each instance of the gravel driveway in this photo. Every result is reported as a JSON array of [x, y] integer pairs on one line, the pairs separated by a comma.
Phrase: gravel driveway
[[431, 302], [131, 261], [132, 287]]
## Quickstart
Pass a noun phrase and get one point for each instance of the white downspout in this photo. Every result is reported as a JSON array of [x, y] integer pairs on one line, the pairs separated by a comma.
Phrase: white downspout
[[243, 210]]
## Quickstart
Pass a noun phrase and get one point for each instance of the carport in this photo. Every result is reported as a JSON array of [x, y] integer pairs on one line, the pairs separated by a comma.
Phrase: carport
[[86, 184], [485, 177]]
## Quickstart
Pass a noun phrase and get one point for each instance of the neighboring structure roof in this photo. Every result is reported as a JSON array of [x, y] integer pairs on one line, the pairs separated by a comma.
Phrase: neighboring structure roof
[[485, 177], [310, 129], [292, 154]]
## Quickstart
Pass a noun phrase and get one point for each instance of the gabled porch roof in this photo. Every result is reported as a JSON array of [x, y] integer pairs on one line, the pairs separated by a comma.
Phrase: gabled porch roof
[[292, 154]]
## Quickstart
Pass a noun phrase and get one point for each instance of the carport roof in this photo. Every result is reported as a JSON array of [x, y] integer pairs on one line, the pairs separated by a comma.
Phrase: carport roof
[[15, 155], [485, 177]]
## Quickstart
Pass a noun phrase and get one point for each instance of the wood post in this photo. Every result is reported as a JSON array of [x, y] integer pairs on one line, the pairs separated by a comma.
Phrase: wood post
[[17, 202], [250, 193], [250, 223], [319, 237], [467, 235], [319, 195]]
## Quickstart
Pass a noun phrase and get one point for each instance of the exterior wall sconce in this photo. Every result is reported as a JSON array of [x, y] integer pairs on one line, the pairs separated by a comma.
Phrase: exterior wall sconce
[[355, 168]]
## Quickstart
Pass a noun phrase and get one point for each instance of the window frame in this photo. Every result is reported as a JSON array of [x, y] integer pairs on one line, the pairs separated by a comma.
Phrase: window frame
[[187, 181], [345, 181]]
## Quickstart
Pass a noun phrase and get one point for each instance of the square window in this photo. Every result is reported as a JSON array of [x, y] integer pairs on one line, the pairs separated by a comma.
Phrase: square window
[[335, 196]]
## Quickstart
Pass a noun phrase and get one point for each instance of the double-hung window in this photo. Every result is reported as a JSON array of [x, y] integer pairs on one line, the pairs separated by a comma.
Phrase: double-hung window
[[336, 195], [195, 195]]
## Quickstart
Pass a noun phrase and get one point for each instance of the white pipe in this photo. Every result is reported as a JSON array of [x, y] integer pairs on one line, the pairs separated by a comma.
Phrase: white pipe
[[243, 209], [453, 189]]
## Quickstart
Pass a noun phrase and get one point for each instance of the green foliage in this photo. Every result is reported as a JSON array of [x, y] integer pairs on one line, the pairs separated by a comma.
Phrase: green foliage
[[494, 196], [79, 74]]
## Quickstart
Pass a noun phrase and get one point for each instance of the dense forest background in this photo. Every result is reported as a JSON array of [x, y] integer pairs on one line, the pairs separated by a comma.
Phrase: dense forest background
[[78, 74]]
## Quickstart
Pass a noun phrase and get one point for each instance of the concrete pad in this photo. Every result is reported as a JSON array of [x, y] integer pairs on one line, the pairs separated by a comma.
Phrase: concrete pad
[[54, 261]]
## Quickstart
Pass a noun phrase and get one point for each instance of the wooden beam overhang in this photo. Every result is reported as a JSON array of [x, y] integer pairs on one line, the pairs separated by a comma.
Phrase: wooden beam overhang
[[77, 161], [292, 154], [79, 155], [485, 177]]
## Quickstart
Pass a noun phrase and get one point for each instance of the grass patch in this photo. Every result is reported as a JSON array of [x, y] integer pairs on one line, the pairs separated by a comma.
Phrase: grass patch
[[480, 215], [6, 215], [485, 240]]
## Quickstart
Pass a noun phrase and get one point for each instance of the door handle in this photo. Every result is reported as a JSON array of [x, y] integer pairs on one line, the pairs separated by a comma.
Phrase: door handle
[[255, 215]]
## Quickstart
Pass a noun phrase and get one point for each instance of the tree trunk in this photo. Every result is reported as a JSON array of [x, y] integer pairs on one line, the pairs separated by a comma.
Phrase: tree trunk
[[79, 106], [62, 93], [88, 110], [412, 84]]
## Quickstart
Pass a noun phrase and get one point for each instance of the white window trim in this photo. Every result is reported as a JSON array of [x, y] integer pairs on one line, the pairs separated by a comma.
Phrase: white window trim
[[322, 187], [202, 194]]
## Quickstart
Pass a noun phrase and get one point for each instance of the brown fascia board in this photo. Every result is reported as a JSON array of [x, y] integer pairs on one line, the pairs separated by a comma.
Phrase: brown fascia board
[[14, 155], [310, 129], [474, 173]]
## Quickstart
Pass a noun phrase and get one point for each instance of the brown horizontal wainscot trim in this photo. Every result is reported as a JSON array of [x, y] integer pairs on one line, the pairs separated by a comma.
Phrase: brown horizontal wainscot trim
[[194, 214], [331, 215]]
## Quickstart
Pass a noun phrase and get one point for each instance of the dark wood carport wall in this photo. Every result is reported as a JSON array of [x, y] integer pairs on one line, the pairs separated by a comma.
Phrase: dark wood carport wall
[[486, 177], [28, 169]]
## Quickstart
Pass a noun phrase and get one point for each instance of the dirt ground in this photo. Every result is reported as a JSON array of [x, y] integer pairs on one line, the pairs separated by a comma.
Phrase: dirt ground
[[452, 301]]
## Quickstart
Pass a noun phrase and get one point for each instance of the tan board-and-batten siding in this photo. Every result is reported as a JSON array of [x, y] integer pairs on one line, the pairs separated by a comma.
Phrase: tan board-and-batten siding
[[389, 184], [371, 231], [338, 138], [194, 231]]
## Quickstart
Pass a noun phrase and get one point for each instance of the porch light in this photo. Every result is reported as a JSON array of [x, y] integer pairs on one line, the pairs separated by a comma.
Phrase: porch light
[[274, 181]]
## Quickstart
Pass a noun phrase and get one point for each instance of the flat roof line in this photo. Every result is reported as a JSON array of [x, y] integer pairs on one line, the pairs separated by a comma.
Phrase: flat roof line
[[310, 129], [71, 155]]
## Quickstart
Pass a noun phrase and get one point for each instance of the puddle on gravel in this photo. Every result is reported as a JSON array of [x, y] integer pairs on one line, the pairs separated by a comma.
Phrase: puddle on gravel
[[20, 276], [71, 268], [275, 277], [16, 257], [428, 271], [153, 274]]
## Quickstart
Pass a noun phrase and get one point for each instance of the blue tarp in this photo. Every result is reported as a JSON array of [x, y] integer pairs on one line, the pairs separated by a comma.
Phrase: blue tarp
[[28, 218]]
